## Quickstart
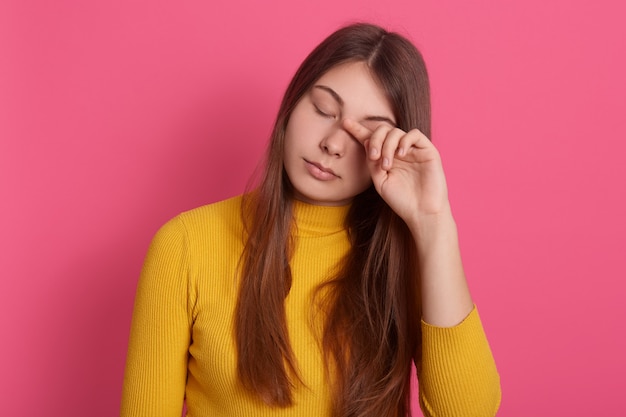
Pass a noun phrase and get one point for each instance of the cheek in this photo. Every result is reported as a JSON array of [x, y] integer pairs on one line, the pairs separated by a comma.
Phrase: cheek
[[289, 144]]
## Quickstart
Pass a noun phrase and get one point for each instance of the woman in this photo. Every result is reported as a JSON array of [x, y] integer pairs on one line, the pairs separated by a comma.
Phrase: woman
[[314, 293]]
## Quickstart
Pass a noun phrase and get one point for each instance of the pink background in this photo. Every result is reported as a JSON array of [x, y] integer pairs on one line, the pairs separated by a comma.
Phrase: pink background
[[117, 115]]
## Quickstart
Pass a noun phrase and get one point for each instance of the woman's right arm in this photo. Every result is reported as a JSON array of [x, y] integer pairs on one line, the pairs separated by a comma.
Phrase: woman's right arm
[[156, 365]]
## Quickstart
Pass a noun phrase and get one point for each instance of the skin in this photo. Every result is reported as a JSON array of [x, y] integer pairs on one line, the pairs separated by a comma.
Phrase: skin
[[315, 137], [345, 124]]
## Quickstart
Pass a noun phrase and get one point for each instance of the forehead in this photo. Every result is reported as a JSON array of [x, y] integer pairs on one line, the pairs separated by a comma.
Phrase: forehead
[[358, 88]]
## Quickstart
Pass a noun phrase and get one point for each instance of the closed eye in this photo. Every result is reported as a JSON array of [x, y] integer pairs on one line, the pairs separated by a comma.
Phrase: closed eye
[[322, 113]]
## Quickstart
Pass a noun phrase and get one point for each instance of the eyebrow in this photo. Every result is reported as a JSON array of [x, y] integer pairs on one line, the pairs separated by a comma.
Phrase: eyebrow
[[339, 100]]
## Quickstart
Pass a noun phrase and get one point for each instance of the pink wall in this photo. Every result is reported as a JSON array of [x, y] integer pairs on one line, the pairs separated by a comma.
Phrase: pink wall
[[117, 115]]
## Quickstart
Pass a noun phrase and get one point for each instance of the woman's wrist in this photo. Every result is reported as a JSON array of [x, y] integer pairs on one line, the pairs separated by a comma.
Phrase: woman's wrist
[[430, 227]]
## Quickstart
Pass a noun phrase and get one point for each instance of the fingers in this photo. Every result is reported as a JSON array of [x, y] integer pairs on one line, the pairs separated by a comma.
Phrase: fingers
[[372, 140], [357, 130], [413, 139], [386, 143], [387, 140]]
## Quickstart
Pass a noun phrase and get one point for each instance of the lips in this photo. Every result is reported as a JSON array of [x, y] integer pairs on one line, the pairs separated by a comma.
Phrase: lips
[[319, 171]]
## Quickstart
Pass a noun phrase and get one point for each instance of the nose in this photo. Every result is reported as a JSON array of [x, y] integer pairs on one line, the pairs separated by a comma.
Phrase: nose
[[336, 142]]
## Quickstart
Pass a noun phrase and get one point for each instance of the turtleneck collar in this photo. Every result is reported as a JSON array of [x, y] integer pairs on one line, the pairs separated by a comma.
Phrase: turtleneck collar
[[314, 220]]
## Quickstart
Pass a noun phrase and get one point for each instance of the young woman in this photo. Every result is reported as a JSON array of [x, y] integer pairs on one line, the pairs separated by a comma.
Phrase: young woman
[[314, 293]]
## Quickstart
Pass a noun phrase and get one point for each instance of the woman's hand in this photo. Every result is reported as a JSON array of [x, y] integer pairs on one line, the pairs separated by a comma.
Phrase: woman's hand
[[406, 170]]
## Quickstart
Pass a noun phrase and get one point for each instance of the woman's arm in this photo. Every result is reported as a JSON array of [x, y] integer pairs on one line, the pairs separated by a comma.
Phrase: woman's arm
[[408, 174], [156, 365], [456, 369], [445, 296]]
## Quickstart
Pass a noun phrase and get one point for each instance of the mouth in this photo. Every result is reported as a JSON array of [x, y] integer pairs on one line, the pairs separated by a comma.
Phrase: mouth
[[319, 171]]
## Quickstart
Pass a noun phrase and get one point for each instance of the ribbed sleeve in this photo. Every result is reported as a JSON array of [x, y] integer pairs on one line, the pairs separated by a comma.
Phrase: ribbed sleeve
[[156, 369], [457, 374]]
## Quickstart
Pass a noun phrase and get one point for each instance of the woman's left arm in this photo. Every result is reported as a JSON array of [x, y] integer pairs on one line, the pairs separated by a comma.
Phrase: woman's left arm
[[408, 174], [457, 372]]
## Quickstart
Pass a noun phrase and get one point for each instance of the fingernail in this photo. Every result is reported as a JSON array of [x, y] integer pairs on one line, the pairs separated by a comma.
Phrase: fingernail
[[386, 162], [373, 151]]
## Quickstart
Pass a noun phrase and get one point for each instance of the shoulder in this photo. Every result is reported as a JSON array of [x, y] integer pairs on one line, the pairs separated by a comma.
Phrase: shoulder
[[225, 211], [204, 225]]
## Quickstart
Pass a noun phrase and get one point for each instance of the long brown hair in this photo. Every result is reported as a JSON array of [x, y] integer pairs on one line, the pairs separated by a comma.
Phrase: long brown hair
[[371, 330]]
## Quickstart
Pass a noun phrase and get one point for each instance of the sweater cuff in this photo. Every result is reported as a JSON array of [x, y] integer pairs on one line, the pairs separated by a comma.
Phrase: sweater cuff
[[451, 347], [470, 318]]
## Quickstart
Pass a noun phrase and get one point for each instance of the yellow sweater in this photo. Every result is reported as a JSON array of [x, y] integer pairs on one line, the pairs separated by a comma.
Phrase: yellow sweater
[[182, 345]]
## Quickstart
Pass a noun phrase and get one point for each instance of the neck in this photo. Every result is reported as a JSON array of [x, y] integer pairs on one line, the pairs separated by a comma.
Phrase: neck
[[311, 219]]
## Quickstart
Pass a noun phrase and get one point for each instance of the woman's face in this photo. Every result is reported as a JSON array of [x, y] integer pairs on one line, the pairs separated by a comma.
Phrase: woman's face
[[324, 163]]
